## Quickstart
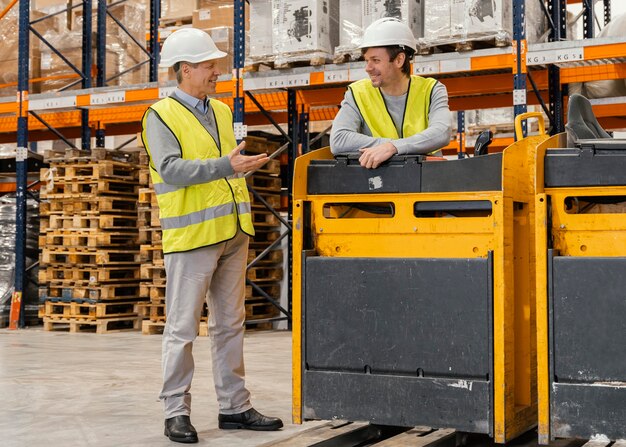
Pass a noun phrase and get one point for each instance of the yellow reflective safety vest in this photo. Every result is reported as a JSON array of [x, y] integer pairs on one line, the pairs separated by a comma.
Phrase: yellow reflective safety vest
[[372, 107], [208, 213]]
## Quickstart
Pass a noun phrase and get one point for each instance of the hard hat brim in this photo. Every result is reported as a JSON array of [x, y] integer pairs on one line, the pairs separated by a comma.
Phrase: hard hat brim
[[192, 59]]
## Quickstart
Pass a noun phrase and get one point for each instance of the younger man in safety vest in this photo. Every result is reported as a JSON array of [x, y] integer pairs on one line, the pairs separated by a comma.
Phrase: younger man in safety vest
[[392, 112]]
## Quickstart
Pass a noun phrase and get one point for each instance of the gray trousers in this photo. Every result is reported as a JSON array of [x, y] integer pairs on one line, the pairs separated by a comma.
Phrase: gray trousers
[[217, 274]]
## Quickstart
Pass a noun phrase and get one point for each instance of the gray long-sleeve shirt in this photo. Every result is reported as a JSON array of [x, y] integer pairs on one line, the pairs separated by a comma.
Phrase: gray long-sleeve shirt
[[350, 132], [166, 152]]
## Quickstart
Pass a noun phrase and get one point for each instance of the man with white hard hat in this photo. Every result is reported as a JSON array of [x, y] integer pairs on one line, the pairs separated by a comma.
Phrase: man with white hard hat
[[392, 112], [206, 221]]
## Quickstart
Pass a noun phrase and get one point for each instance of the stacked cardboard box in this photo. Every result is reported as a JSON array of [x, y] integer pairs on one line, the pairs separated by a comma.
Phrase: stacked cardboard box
[[461, 21], [304, 30]]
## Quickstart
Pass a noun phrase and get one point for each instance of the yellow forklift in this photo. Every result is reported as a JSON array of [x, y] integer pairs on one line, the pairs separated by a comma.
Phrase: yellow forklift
[[413, 290], [581, 281]]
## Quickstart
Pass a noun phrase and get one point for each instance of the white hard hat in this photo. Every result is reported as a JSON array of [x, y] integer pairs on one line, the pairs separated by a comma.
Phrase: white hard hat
[[189, 45], [388, 32]]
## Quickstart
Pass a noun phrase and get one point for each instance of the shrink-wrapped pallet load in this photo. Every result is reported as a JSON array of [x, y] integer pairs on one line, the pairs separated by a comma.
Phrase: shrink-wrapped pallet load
[[304, 30]]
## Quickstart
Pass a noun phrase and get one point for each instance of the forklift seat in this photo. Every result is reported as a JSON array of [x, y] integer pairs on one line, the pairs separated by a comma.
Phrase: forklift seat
[[581, 122]]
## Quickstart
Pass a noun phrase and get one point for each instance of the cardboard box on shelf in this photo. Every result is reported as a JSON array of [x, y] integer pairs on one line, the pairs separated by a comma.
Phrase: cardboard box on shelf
[[305, 26], [217, 14], [410, 12], [260, 48], [174, 9]]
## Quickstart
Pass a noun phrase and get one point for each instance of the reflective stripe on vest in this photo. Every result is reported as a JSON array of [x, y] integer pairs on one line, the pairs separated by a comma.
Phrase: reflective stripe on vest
[[203, 214], [372, 107]]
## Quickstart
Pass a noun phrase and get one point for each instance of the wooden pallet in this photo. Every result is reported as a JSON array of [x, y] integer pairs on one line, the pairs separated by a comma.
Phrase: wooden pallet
[[265, 235], [89, 203], [151, 311], [99, 326], [148, 217], [264, 182], [467, 43], [156, 327], [272, 199], [89, 311], [144, 177], [352, 434], [150, 235], [294, 60], [69, 154], [88, 238], [90, 256], [259, 145], [153, 273], [68, 187], [93, 275], [272, 289], [147, 198], [260, 310], [271, 167], [93, 222], [265, 274], [125, 291], [151, 254], [95, 170], [264, 218], [154, 292], [271, 257]]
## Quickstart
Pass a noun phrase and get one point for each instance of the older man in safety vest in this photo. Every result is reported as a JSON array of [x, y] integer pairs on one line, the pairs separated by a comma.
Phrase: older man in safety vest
[[205, 213], [392, 112]]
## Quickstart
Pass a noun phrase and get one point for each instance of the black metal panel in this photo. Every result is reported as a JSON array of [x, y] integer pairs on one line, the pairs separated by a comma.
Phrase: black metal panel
[[482, 173], [427, 317], [584, 411], [589, 319], [397, 400], [345, 175], [589, 165]]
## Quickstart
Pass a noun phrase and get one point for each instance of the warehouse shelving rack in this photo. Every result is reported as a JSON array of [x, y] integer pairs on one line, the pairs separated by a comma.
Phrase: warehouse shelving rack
[[478, 79]]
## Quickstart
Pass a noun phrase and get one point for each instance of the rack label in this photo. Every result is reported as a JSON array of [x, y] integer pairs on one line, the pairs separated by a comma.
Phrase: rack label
[[555, 56], [254, 83], [21, 154], [426, 68], [61, 102], [164, 92], [336, 76], [289, 81], [452, 65], [519, 97], [357, 75], [107, 98], [240, 130]]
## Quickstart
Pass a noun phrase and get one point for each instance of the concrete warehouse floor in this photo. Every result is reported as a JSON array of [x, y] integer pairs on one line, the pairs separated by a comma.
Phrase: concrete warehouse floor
[[62, 389]]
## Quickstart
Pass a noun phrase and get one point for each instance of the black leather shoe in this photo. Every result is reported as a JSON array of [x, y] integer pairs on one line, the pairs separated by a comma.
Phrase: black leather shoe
[[249, 420], [179, 429]]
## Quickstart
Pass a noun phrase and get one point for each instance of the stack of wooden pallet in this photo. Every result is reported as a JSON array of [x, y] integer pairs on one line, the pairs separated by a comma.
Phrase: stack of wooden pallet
[[266, 274], [89, 265]]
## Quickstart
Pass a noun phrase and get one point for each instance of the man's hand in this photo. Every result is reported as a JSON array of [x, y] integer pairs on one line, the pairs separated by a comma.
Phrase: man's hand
[[372, 157], [245, 163]]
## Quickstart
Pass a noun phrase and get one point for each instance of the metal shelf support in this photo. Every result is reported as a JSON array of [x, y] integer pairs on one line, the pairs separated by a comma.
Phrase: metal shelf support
[[558, 32], [460, 129], [607, 11], [239, 60], [16, 316], [87, 62], [519, 70]]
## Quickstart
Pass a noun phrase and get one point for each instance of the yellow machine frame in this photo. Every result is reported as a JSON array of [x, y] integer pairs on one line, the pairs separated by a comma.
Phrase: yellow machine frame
[[508, 232]]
